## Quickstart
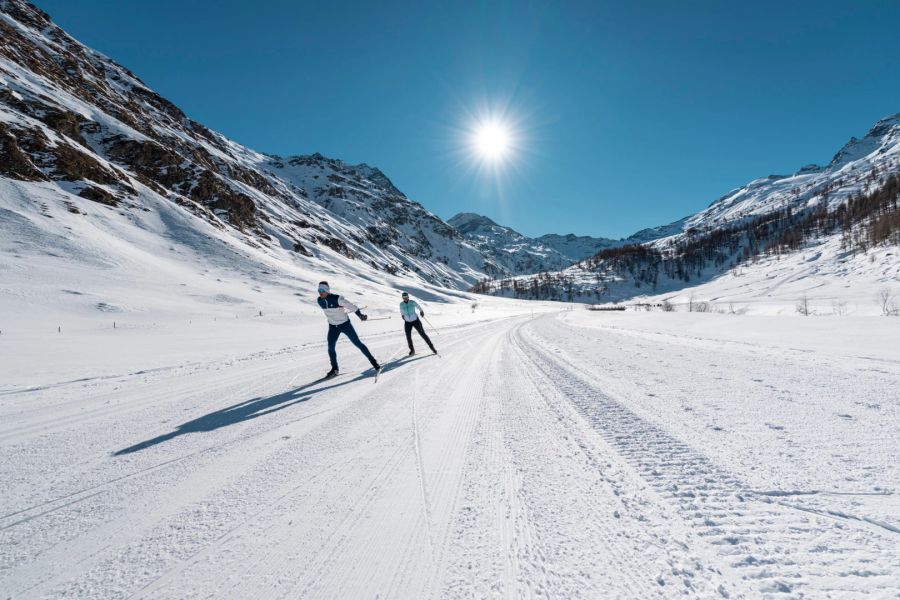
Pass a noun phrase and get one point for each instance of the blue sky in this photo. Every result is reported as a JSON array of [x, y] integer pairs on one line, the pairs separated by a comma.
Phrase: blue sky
[[626, 114]]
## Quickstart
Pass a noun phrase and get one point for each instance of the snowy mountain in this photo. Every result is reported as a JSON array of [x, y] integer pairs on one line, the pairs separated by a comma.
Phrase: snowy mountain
[[829, 228], [848, 172], [98, 171], [654, 233], [82, 135], [516, 254]]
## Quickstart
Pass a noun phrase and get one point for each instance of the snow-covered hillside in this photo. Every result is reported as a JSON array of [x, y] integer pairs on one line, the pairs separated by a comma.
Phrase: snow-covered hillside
[[82, 134], [849, 172], [833, 231]]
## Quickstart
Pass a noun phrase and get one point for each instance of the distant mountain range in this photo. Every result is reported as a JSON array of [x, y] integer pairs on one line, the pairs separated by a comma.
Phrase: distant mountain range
[[850, 206], [518, 254]]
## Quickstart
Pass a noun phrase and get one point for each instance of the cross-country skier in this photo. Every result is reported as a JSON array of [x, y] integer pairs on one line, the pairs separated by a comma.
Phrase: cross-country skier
[[337, 309], [408, 310]]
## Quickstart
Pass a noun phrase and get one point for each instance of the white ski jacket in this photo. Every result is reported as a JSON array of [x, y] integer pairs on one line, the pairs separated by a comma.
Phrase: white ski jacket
[[337, 308]]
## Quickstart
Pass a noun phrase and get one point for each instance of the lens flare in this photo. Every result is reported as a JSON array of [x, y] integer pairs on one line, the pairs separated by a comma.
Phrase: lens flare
[[491, 141]]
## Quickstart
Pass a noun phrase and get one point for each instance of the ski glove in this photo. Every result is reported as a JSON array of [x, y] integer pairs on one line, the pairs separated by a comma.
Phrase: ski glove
[[421, 313], [361, 316]]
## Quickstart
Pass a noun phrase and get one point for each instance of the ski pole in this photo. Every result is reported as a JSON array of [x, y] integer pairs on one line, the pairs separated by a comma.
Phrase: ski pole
[[396, 354], [432, 326], [377, 318]]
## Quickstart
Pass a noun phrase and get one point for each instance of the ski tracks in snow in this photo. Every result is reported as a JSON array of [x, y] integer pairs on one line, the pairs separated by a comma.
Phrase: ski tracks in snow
[[510, 468], [769, 546]]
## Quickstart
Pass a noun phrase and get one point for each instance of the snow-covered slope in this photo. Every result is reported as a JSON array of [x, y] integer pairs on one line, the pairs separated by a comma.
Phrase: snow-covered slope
[[832, 229], [654, 233], [516, 254], [848, 172], [82, 135]]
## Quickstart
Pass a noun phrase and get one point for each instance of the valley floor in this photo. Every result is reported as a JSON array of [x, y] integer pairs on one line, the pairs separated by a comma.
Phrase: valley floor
[[563, 454]]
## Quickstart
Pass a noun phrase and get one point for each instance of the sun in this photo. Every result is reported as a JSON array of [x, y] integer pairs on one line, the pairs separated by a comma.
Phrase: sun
[[492, 140]]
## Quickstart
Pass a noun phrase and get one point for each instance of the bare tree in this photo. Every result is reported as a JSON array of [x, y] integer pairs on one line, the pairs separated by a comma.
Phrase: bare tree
[[667, 306], [888, 302], [839, 307], [803, 306]]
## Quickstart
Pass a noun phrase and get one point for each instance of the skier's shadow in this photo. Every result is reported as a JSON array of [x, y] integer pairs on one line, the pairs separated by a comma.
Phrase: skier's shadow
[[252, 409]]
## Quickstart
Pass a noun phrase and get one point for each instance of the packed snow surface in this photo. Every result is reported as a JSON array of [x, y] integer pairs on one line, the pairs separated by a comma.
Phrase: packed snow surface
[[545, 453]]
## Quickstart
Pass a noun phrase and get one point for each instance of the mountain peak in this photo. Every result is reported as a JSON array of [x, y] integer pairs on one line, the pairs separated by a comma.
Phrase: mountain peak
[[885, 132], [317, 160], [26, 13], [467, 222]]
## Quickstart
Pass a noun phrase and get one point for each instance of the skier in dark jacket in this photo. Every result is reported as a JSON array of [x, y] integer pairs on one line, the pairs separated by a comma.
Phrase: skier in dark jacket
[[337, 309], [411, 320]]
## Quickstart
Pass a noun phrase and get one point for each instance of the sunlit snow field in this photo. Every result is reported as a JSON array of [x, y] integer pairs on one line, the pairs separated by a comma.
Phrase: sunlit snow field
[[165, 435], [187, 452]]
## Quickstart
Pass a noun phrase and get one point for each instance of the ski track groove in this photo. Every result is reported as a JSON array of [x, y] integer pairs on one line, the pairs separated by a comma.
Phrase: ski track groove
[[631, 564], [460, 435], [423, 484], [169, 483], [365, 499], [291, 366], [741, 526], [527, 438], [338, 546]]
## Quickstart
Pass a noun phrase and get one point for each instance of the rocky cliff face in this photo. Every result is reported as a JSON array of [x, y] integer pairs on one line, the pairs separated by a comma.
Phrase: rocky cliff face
[[72, 117], [516, 254]]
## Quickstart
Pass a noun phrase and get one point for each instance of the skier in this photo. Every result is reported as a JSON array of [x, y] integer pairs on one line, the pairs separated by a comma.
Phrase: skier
[[408, 310], [336, 311]]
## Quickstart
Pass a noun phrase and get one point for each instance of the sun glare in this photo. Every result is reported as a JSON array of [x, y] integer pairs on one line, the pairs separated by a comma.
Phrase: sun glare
[[492, 141]]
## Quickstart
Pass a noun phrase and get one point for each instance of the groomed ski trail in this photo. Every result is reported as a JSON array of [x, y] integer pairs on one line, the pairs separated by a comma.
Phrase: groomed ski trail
[[532, 461]]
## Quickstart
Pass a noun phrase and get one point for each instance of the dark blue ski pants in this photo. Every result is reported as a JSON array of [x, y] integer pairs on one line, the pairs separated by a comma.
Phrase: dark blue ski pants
[[334, 332]]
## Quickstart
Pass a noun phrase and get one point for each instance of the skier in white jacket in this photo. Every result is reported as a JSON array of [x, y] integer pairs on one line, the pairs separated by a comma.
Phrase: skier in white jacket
[[337, 309], [411, 320]]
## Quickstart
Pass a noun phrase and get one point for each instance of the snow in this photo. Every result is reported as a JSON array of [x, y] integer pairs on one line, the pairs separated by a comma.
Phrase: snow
[[514, 253], [189, 452], [847, 174], [832, 280], [164, 435]]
